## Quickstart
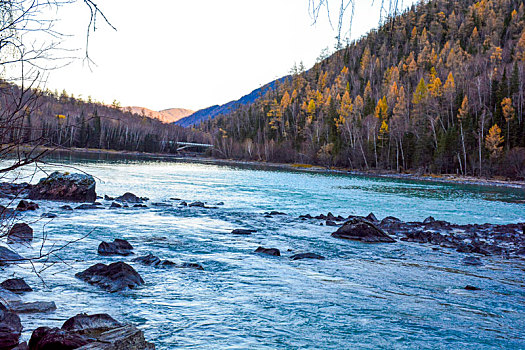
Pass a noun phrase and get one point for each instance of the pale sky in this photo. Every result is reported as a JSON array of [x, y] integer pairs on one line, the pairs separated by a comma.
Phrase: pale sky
[[193, 53]]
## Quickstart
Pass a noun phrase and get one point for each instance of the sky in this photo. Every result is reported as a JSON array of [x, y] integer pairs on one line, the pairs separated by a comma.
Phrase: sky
[[192, 54]]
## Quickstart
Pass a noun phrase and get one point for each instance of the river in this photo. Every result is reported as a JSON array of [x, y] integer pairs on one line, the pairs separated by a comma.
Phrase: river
[[392, 296]]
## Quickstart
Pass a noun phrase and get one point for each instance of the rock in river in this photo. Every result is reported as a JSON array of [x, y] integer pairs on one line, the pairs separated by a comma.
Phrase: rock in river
[[117, 247], [359, 229], [269, 251], [10, 328], [33, 307], [65, 187], [16, 285], [307, 256], [113, 277], [241, 231], [20, 232], [129, 197], [472, 260], [90, 324], [45, 338], [9, 257], [26, 205]]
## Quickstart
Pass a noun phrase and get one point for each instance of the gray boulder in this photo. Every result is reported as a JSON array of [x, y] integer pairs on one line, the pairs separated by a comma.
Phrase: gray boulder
[[117, 247], [33, 307], [65, 187], [302, 256], [45, 338], [16, 285], [358, 229], [113, 277], [124, 338], [8, 256], [268, 251], [20, 232], [129, 197], [10, 328], [90, 324]]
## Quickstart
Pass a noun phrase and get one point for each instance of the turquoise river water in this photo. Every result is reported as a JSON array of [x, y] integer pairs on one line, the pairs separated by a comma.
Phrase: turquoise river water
[[384, 296]]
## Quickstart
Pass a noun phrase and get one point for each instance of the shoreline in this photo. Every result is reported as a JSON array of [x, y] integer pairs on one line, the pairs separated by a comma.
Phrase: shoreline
[[445, 178]]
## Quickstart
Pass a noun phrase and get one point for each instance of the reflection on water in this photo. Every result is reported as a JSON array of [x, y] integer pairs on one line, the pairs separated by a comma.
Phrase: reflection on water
[[399, 295]]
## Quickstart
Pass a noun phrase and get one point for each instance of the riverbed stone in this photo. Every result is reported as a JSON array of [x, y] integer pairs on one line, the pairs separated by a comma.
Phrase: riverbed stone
[[113, 277], [45, 338], [268, 251], [127, 337], [33, 307], [362, 230], [16, 285], [8, 256], [65, 187], [20, 232], [242, 231], [130, 198], [117, 247], [472, 260], [24, 205], [10, 328], [90, 324], [301, 256]]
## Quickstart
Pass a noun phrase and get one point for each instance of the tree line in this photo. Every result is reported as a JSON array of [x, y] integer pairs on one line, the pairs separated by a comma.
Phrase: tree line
[[60, 120]]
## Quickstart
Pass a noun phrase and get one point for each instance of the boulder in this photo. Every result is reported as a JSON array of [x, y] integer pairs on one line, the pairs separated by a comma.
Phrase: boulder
[[9, 257], [89, 206], [429, 220], [21, 346], [472, 260], [149, 259], [115, 205], [469, 287], [275, 213], [152, 260], [108, 198], [372, 218], [194, 266], [65, 187], [45, 338], [113, 277], [20, 232], [129, 197], [197, 204], [16, 285], [269, 251], [241, 231], [33, 307], [307, 256], [140, 206], [362, 230], [123, 338], [90, 324], [330, 223], [49, 215], [10, 328], [26, 205], [117, 247], [66, 207], [7, 297]]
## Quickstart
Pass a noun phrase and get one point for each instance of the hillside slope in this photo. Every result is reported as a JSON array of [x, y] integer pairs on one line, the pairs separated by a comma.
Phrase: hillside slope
[[217, 110], [170, 115], [439, 88]]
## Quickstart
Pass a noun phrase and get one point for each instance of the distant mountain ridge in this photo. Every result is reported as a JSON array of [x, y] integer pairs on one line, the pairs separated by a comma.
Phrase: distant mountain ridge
[[167, 116], [217, 110]]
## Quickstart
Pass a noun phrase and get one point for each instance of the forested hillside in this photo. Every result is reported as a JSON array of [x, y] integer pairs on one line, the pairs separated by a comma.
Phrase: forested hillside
[[35, 117], [437, 89]]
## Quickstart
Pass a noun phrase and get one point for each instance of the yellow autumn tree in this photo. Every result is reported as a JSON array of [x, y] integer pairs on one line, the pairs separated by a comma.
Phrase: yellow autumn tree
[[421, 93], [381, 111], [493, 140]]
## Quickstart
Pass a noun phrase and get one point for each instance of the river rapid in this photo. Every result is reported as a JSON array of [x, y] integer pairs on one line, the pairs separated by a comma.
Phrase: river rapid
[[367, 296]]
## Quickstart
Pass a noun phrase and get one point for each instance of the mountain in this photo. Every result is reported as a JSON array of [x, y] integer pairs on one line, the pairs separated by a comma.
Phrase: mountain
[[217, 110], [170, 115], [437, 89]]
